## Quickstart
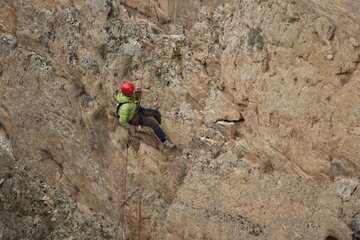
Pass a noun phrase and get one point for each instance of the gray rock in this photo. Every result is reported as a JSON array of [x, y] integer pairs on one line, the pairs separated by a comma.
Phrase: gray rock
[[131, 48], [345, 187], [354, 42], [255, 39], [357, 227]]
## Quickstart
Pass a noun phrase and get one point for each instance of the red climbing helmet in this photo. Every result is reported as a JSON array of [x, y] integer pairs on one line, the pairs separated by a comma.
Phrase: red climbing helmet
[[127, 88]]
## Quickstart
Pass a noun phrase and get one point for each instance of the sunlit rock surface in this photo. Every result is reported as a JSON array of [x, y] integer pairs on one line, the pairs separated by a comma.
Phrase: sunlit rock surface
[[260, 96]]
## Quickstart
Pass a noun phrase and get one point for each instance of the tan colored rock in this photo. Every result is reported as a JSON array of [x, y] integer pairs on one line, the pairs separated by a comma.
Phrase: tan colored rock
[[164, 11], [250, 214], [8, 18], [330, 57], [264, 119], [354, 42], [252, 83]]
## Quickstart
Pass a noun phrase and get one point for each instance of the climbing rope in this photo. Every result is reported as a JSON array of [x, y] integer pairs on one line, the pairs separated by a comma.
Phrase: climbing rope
[[147, 20], [139, 217], [175, 9], [125, 181], [155, 92], [158, 187], [122, 207]]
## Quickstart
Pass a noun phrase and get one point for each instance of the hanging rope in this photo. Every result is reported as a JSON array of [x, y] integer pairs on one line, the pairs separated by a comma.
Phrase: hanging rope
[[122, 219], [126, 199], [131, 195], [149, 15], [142, 74], [139, 218], [153, 93], [175, 9], [139, 210]]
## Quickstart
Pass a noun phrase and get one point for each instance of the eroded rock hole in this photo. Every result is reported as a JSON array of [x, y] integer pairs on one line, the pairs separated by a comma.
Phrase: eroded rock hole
[[79, 89], [241, 119], [4, 132], [331, 237]]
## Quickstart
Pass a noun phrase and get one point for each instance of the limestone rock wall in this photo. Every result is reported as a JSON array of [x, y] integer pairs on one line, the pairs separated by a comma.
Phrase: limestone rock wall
[[260, 96], [184, 13], [30, 208], [60, 65], [271, 80], [289, 75]]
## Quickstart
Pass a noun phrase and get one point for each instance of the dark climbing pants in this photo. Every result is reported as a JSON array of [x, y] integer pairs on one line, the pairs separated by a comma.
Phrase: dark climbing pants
[[144, 117]]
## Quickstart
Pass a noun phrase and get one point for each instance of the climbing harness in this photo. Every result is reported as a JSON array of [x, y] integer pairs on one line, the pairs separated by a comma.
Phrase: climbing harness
[[118, 106]]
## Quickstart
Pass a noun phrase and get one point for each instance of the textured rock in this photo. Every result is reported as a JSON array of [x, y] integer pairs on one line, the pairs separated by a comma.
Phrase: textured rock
[[260, 97], [232, 199], [31, 209], [346, 187], [274, 73], [7, 161], [275, 79], [184, 12]]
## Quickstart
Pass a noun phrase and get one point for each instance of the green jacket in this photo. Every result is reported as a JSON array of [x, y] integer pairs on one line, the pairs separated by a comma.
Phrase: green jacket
[[126, 110]]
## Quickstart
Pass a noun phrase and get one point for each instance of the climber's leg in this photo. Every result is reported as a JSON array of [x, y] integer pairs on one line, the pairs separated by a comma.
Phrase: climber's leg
[[149, 122], [146, 121], [149, 112]]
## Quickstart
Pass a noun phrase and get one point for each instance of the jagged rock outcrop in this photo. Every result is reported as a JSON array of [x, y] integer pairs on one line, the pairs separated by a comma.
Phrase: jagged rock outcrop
[[261, 97], [177, 14], [32, 209], [290, 79], [60, 65], [286, 79]]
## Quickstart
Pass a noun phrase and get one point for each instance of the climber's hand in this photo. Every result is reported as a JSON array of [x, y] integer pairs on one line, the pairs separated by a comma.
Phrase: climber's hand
[[115, 94], [138, 93]]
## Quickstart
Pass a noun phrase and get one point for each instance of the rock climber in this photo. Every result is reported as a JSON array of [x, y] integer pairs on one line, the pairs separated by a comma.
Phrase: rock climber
[[131, 114]]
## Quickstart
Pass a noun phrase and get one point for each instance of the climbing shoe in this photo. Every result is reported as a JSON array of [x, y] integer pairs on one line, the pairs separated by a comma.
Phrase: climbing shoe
[[168, 145]]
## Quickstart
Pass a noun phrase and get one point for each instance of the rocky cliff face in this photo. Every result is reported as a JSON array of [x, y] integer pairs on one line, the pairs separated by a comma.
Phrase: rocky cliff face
[[261, 97], [30, 208], [171, 13]]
